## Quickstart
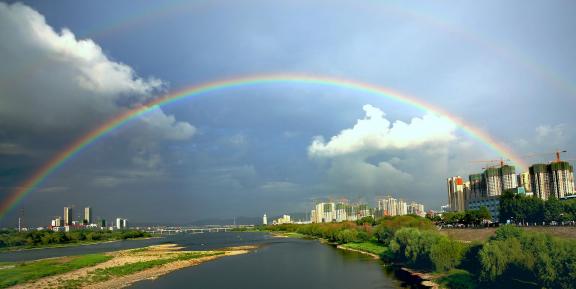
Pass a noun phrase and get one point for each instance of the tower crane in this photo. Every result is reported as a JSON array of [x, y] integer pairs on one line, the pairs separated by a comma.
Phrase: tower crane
[[499, 162], [555, 153]]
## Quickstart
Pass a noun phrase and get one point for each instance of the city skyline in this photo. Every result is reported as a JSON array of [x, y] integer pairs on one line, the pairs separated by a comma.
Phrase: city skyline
[[387, 97]]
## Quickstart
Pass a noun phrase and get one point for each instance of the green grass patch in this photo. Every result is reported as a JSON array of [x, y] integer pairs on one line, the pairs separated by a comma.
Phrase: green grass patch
[[294, 235], [105, 274], [458, 279], [370, 247], [30, 271]]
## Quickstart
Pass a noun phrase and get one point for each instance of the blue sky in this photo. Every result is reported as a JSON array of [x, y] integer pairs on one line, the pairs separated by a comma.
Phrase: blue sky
[[505, 67]]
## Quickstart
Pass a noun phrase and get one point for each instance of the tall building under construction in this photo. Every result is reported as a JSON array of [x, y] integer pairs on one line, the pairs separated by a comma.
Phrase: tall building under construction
[[554, 179], [498, 180]]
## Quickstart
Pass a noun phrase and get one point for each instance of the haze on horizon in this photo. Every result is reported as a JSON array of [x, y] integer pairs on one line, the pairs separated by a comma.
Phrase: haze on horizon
[[505, 67]]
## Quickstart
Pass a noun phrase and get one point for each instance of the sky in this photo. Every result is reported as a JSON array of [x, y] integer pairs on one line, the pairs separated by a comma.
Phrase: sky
[[505, 67]]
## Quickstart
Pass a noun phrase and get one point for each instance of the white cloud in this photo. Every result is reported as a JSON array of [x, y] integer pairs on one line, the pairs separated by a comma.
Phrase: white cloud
[[375, 133], [52, 81]]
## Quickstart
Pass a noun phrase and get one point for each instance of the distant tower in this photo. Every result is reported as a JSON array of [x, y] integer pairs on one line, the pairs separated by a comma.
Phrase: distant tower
[[264, 220], [87, 215], [21, 220], [68, 216]]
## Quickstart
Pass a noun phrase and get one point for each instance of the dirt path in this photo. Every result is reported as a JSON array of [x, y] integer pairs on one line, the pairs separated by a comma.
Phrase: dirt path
[[133, 256]]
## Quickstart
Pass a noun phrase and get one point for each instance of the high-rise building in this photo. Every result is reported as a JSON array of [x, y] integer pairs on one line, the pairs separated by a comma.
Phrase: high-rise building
[[477, 186], [539, 180], [561, 179], [554, 179], [388, 206], [455, 187], [325, 213], [119, 223], [497, 180], [124, 223], [509, 179], [264, 220], [68, 216], [57, 222], [493, 182], [313, 218], [416, 209], [87, 215], [401, 208], [524, 181], [341, 212]]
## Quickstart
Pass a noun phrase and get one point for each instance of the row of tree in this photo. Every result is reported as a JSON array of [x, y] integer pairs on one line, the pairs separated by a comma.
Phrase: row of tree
[[13, 238], [468, 217], [512, 257], [519, 208]]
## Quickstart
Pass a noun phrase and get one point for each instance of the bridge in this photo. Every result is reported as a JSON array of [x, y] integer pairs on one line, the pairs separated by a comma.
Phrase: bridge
[[192, 230]]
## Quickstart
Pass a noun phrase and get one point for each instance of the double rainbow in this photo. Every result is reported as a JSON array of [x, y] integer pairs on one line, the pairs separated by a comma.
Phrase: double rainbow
[[76, 147]]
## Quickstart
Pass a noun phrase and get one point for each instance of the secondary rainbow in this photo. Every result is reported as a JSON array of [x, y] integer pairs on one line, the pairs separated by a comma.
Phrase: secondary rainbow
[[76, 147]]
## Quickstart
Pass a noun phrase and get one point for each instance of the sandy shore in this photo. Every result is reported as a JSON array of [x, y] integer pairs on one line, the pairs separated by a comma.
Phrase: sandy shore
[[133, 256]]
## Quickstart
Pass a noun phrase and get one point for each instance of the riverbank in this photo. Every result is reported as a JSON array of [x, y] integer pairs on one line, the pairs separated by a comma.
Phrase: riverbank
[[376, 251], [69, 245], [11, 240], [123, 268]]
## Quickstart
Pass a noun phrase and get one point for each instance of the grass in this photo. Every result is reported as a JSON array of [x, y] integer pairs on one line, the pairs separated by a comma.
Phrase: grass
[[295, 235], [30, 271], [105, 274], [482, 234], [370, 247], [457, 279]]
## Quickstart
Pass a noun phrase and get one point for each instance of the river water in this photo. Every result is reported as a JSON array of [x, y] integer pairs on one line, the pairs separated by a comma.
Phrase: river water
[[278, 263]]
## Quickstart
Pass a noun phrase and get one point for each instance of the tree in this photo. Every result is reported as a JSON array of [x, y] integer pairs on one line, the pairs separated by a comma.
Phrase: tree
[[484, 214], [552, 210]]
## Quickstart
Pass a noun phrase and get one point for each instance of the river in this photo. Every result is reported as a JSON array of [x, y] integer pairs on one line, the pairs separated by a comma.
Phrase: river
[[278, 263]]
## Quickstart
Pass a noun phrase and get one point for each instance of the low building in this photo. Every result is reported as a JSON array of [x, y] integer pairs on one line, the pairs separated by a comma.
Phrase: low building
[[285, 219], [491, 203]]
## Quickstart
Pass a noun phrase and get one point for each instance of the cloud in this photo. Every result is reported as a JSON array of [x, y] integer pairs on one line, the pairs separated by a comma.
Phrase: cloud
[[13, 149], [280, 187], [546, 138], [51, 81], [375, 133]]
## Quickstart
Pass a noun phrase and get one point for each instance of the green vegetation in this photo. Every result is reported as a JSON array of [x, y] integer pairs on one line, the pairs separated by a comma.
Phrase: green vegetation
[[534, 258], [105, 274], [512, 257], [458, 278], [468, 217], [17, 273], [426, 250], [370, 247], [519, 208], [12, 239]]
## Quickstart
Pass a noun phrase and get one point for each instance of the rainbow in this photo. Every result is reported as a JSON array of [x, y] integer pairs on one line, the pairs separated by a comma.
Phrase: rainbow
[[76, 147]]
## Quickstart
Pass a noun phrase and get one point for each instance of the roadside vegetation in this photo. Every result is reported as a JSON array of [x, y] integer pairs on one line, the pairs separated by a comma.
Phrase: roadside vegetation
[[533, 210], [17, 273], [511, 257], [12, 239]]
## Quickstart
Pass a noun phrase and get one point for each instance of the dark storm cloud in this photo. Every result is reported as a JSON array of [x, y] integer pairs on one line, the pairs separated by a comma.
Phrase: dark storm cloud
[[484, 62]]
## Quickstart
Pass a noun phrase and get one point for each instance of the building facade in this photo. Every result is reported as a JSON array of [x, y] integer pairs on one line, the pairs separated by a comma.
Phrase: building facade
[[87, 215], [554, 179], [68, 216], [455, 186]]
